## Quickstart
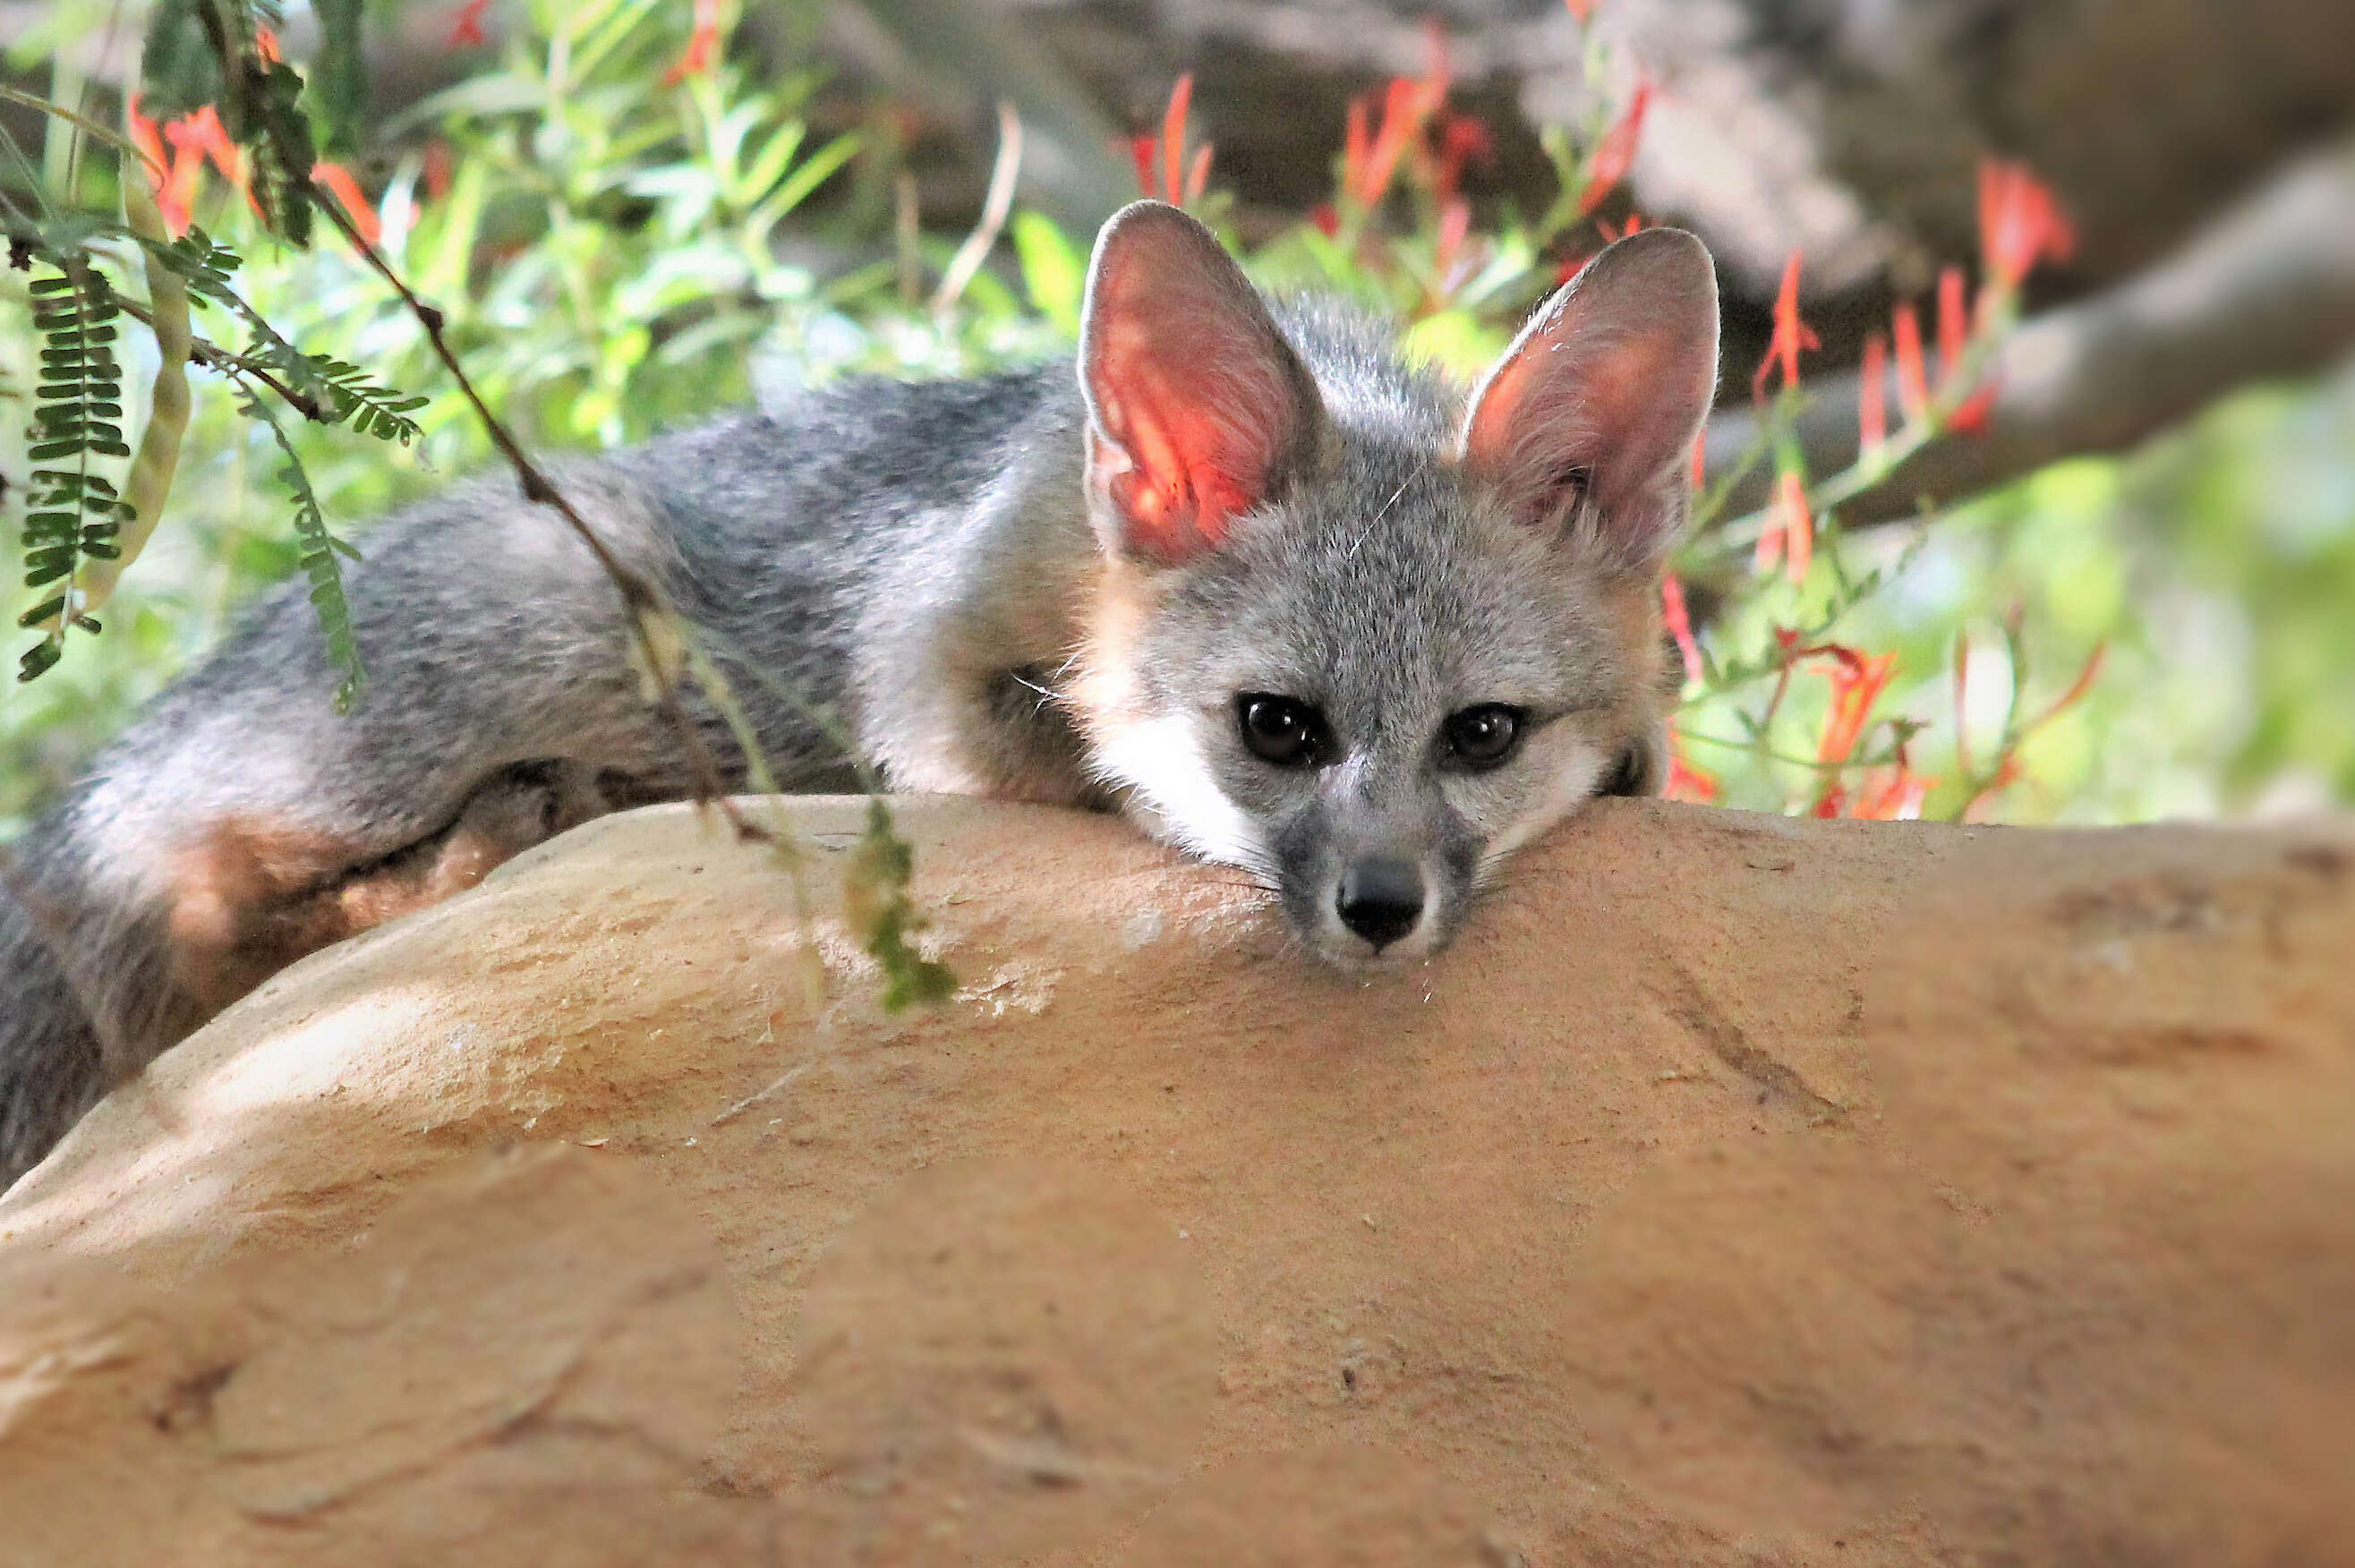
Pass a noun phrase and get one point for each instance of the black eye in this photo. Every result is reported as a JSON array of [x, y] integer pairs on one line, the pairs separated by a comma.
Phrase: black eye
[[1484, 737], [1281, 729]]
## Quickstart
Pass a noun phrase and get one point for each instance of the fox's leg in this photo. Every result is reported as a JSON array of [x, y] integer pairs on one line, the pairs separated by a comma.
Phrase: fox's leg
[[248, 898], [241, 823]]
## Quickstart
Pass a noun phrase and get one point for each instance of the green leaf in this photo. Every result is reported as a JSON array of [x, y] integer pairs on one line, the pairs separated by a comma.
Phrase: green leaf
[[39, 659], [338, 77], [1054, 273], [797, 185], [178, 71], [319, 552]]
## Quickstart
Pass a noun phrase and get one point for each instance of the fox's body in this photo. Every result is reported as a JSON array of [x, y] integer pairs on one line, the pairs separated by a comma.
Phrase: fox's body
[[1132, 588]]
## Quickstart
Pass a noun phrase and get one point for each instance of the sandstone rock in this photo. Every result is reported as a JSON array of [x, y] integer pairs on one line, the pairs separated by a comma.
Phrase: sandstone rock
[[1735, 1191]]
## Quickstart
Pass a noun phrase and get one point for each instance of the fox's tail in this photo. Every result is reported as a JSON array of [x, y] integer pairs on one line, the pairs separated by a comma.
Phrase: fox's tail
[[51, 1068]]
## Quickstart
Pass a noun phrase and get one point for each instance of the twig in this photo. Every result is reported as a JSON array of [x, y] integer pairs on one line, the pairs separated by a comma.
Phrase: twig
[[905, 233], [995, 210], [206, 352], [82, 123], [1813, 764], [640, 600]]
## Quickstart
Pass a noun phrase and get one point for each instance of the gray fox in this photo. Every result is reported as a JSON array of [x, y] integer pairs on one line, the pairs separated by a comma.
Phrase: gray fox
[[1287, 602]]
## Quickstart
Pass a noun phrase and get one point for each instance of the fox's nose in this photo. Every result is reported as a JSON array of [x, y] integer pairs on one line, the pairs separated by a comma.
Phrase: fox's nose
[[1380, 900]]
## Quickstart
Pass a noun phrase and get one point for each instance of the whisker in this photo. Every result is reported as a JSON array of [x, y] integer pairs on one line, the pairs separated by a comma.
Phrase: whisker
[[1421, 465]]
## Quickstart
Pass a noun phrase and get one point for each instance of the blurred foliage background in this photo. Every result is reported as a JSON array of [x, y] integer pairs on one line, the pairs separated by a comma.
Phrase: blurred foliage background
[[624, 237]]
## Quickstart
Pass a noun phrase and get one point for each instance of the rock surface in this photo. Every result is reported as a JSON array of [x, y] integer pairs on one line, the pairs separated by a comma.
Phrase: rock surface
[[1735, 1191]]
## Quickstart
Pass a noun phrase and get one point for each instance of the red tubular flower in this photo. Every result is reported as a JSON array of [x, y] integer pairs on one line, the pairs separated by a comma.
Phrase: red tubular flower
[[346, 192], [1971, 416], [702, 45], [1173, 140], [149, 140], [1895, 796], [1770, 545], [172, 176], [1857, 684], [1463, 140], [1872, 396], [1162, 169], [1791, 334], [1798, 524], [194, 138], [202, 132], [2021, 224], [1581, 9], [1954, 325], [1437, 74], [466, 27], [175, 198], [1615, 152], [1912, 379], [2077, 688], [1197, 176], [1700, 460], [1686, 782], [1569, 267], [265, 44], [1325, 220], [1406, 105], [1634, 223], [1679, 620], [1455, 224]]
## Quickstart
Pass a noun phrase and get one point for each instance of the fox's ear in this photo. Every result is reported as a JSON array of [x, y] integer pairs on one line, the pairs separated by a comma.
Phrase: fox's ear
[[1588, 421], [1198, 409]]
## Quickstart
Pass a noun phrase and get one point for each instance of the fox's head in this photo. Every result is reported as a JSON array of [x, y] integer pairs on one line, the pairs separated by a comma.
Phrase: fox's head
[[1360, 633]]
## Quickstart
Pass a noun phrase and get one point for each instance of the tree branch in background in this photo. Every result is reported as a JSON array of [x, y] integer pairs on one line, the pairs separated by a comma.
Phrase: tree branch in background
[[2267, 290]]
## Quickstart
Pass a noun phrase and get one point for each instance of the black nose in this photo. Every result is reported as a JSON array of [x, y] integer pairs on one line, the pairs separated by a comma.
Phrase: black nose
[[1382, 900]]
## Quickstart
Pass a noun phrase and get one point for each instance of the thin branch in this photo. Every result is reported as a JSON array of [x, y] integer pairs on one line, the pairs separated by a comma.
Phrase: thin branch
[[994, 213], [654, 626], [212, 356], [84, 124]]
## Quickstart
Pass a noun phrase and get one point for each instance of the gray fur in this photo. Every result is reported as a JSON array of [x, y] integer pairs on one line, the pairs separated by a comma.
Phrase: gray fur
[[922, 561]]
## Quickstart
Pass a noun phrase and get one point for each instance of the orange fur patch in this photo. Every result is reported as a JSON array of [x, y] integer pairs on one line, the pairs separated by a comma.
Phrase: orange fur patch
[[251, 897]]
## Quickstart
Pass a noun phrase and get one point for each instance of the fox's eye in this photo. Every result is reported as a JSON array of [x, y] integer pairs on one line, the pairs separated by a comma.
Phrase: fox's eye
[[1484, 737], [1281, 729]]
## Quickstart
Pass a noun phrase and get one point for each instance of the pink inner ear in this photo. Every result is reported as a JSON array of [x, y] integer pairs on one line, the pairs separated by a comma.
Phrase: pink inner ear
[[1543, 413], [1188, 474], [1196, 400], [1609, 381]]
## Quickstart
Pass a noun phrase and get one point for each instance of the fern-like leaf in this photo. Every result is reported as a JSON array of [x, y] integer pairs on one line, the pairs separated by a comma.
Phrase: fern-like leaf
[[357, 401], [72, 515], [342, 393], [322, 556]]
